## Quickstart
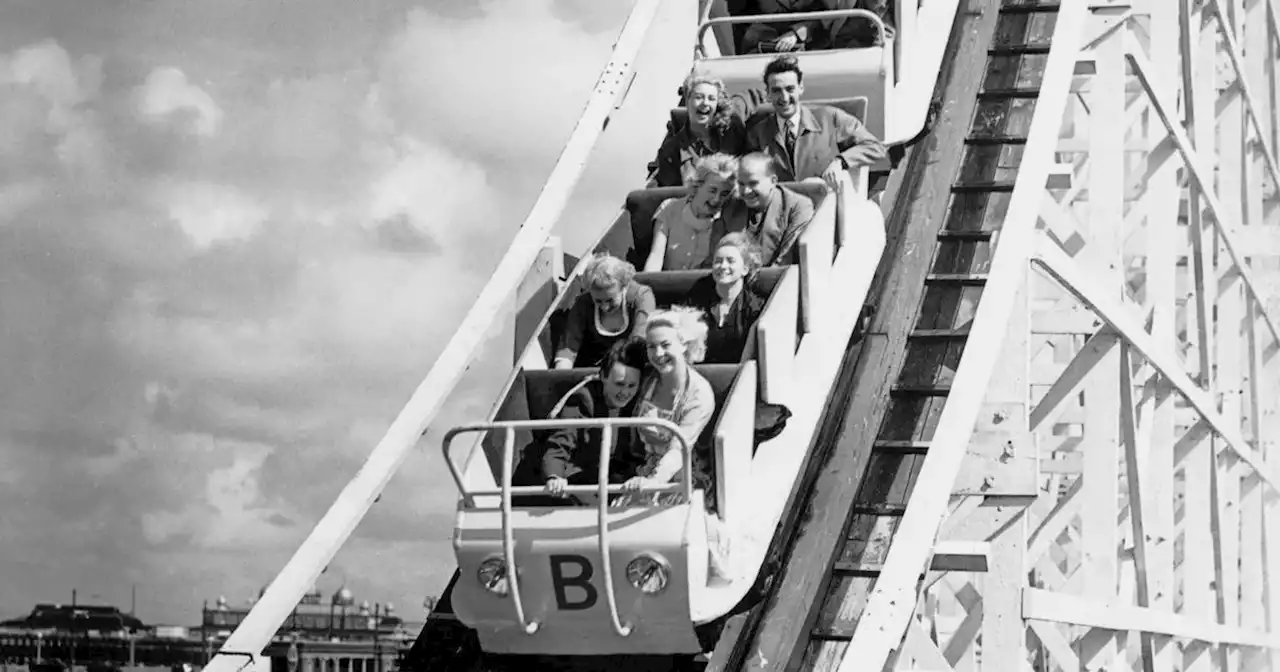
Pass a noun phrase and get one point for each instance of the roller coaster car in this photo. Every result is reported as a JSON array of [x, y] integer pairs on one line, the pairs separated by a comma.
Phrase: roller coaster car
[[598, 578], [595, 579]]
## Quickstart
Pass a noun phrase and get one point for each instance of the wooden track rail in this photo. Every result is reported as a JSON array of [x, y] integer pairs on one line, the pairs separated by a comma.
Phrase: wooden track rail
[[966, 226], [915, 205]]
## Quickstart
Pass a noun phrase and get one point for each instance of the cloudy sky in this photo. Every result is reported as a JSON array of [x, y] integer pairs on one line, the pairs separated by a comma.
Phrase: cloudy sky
[[233, 237]]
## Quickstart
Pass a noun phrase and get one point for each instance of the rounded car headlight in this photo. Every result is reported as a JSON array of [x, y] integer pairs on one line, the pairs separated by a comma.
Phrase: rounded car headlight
[[649, 574], [492, 574]]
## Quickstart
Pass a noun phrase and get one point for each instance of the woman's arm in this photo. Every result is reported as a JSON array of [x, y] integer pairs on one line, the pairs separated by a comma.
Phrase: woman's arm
[[691, 419], [646, 304], [574, 325], [658, 242]]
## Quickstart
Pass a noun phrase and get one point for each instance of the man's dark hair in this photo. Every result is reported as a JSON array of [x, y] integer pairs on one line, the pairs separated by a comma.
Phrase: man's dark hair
[[781, 64], [629, 352]]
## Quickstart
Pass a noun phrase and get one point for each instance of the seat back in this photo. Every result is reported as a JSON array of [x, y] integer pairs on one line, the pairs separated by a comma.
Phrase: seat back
[[641, 205], [855, 105]]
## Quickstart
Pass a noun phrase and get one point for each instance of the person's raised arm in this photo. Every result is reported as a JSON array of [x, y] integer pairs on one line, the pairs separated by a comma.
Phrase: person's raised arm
[[857, 145]]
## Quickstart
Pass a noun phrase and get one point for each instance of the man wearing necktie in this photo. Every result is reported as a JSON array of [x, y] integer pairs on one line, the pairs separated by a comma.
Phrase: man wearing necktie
[[771, 214], [808, 142]]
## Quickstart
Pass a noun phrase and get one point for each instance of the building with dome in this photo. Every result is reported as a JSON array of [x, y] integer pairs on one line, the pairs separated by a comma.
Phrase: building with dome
[[336, 634]]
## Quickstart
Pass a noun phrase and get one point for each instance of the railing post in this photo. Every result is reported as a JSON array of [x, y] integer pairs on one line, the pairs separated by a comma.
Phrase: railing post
[[508, 535]]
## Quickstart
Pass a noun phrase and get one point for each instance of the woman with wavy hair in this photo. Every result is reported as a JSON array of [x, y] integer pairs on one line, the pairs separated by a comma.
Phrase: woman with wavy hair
[[715, 125], [673, 390], [612, 307]]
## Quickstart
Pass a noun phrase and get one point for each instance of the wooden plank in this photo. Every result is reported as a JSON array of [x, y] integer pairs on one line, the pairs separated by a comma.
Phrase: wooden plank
[[1229, 309], [889, 608], [1104, 231], [1137, 502], [1198, 79], [1056, 607], [1157, 412]]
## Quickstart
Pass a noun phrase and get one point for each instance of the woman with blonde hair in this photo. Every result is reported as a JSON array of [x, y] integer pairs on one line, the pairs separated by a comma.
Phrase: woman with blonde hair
[[673, 390], [612, 307], [714, 125], [682, 227]]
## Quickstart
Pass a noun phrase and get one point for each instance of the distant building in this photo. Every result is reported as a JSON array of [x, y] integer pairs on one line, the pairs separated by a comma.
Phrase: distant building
[[88, 619], [321, 635], [334, 635]]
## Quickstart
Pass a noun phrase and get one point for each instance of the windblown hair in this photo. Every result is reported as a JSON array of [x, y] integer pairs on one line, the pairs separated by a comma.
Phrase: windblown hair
[[751, 253], [606, 271], [722, 165], [690, 326], [629, 352], [722, 117]]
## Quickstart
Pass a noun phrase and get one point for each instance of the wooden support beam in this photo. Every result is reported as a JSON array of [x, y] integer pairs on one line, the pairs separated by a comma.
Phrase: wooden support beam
[[1105, 231], [1057, 607], [1201, 175], [1053, 260], [1137, 504]]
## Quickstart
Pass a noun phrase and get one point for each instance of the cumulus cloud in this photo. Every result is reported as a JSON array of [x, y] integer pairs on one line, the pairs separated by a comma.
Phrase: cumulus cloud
[[212, 213], [167, 97], [442, 82], [211, 309], [44, 99]]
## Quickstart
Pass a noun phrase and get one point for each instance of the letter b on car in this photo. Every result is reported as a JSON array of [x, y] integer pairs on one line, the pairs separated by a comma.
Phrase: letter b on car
[[578, 577]]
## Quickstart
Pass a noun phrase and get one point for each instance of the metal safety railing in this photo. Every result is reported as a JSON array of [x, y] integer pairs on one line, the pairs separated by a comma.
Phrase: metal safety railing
[[603, 488], [792, 17]]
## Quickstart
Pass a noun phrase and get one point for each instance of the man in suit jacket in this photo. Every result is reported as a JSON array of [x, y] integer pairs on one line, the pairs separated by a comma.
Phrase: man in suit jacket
[[773, 215], [808, 142]]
